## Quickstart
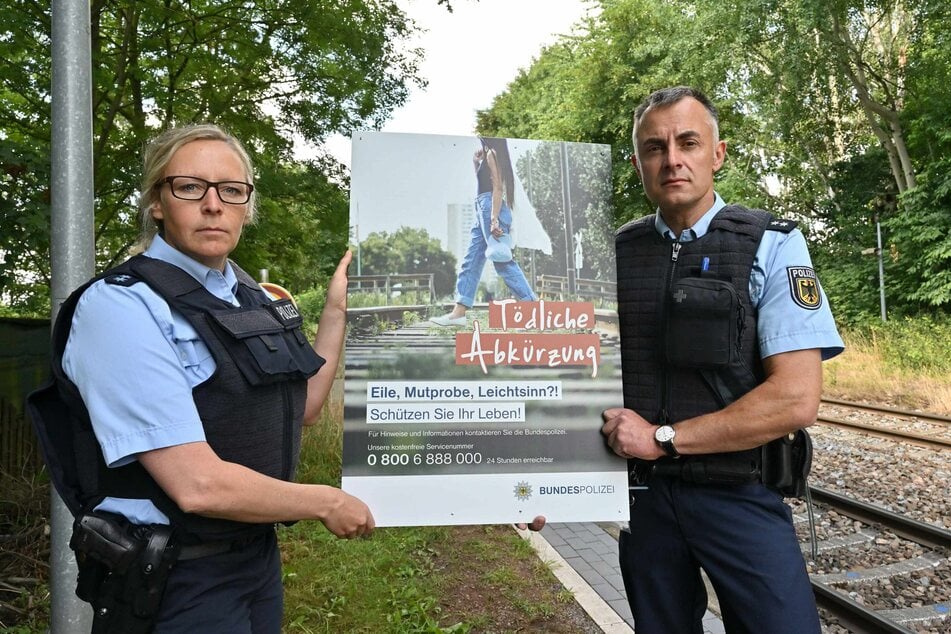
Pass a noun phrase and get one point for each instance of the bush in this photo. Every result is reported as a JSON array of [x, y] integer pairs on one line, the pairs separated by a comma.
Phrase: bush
[[919, 345]]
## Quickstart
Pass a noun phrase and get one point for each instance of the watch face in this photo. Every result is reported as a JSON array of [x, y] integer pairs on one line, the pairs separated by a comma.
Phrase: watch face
[[664, 433]]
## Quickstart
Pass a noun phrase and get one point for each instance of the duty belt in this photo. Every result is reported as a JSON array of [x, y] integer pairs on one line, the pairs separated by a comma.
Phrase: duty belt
[[714, 469], [220, 547]]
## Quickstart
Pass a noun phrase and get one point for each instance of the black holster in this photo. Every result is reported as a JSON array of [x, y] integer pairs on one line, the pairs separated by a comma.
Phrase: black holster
[[123, 569], [787, 462]]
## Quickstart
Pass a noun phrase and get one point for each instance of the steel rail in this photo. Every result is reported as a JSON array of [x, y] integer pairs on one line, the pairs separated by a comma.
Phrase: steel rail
[[929, 441], [852, 614], [855, 616], [920, 532], [925, 416]]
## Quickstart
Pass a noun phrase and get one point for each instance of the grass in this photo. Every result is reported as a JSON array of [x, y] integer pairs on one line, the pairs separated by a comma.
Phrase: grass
[[902, 362], [24, 553], [464, 579]]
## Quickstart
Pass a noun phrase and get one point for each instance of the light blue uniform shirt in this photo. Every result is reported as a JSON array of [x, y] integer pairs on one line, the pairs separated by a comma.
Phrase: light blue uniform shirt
[[782, 325], [135, 362]]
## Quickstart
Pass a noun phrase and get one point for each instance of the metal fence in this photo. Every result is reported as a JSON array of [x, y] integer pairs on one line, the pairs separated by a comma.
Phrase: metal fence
[[390, 287], [556, 288], [24, 364]]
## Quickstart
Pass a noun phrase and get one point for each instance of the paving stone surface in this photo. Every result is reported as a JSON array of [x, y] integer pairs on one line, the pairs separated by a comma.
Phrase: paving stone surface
[[592, 552]]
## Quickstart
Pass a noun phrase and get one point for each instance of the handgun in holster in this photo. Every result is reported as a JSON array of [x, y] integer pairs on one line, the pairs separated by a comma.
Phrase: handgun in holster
[[123, 569]]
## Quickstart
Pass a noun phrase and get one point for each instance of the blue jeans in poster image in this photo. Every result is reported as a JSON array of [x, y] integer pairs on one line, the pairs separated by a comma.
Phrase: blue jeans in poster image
[[483, 245]]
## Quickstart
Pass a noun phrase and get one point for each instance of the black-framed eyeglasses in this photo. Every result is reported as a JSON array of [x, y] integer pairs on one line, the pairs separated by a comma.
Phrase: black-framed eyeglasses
[[194, 188]]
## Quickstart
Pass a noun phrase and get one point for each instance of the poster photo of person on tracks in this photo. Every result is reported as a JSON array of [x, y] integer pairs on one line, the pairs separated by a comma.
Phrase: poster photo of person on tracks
[[482, 331]]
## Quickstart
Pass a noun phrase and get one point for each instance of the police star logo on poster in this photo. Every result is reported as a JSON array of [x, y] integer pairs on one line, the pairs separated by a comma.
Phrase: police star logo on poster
[[523, 491]]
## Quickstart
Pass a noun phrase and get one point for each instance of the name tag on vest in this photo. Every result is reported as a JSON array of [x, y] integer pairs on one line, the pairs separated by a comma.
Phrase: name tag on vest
[[286, 312]]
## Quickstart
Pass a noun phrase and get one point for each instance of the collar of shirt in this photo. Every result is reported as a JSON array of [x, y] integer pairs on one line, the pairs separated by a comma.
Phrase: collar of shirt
[[222, 285], [699, 228]]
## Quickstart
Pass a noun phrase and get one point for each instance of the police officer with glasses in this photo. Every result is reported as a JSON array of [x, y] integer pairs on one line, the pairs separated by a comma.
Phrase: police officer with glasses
[[173, 424]]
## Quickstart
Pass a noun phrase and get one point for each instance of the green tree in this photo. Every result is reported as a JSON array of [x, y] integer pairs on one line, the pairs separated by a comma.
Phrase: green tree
[[406, 251], [920, 242], [863, 189], [586, 87], [544, 175], [833, 113], [268, 71]]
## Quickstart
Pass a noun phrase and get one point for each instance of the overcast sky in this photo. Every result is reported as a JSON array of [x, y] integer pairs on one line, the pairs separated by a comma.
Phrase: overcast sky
[[471, 55]]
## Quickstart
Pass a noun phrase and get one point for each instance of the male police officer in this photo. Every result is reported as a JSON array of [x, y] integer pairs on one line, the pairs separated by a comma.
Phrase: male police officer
[[723, 328]]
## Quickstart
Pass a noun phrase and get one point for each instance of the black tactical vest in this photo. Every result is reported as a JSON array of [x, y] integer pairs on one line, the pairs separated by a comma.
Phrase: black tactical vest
[[251, 407], [687, 324]]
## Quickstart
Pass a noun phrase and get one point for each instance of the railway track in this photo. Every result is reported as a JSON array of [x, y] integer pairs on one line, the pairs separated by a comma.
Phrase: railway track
[[883, 409], [894, 423], [834, 592], [841, 594]]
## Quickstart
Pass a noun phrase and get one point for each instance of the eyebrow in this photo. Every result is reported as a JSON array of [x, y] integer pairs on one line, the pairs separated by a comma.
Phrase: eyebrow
[[686, 134]]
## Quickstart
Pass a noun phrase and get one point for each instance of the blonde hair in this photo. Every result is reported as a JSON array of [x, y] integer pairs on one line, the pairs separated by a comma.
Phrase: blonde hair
[[158, 154]]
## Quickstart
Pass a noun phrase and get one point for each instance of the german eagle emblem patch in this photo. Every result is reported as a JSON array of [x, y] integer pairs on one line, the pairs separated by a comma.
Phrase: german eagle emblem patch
[[804, 287]]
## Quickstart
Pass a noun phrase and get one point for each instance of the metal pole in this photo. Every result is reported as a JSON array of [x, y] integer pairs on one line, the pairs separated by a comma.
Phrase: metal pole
[[356, 228], [530, 194], [881, 267], [72, 249], [569, 227]]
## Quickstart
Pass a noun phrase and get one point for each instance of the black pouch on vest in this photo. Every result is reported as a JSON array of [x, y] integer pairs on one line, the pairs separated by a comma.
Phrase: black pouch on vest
[[273, 347], [703, 317]]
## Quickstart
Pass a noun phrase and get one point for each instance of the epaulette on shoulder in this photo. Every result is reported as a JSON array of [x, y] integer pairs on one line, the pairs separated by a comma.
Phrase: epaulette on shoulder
[[122, 279], [781, 224]]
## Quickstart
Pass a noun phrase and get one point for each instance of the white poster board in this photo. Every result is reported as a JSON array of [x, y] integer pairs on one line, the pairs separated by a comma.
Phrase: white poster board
[[495, 419]]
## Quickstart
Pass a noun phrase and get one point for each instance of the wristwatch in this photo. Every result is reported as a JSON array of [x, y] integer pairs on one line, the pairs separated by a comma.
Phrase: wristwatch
[[664, 436]]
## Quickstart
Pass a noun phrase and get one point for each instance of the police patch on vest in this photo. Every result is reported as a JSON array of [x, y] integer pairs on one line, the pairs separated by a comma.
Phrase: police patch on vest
[[804, 287], [286, 312]]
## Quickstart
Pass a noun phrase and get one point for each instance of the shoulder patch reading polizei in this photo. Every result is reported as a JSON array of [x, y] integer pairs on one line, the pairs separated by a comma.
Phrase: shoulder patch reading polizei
[[804, 287]]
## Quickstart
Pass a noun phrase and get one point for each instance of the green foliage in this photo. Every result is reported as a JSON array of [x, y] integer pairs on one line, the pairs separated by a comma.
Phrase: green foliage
[[383, 584], [389, 583], [265, 70], [918, 346], [844, 226], [407, 251], [920, 241], [310, 303], [300, 232], [830, 110], [543, 173]]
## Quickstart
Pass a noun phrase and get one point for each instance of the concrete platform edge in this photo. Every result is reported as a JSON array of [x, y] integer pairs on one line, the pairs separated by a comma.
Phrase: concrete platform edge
[[599, 611]]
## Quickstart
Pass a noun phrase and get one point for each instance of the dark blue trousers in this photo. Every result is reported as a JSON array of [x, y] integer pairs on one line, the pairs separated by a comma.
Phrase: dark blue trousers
[[742, 536], [231, 593]]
